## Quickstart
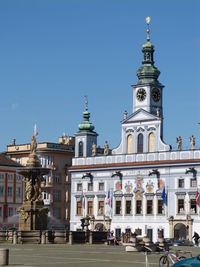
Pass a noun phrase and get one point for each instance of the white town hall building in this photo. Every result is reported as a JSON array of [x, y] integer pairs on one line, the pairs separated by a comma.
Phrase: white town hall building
[[143, 185]]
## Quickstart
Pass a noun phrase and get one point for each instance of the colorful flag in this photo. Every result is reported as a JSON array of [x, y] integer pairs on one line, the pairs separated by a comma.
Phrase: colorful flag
[[108, 198], [164, 196], [197, 197]]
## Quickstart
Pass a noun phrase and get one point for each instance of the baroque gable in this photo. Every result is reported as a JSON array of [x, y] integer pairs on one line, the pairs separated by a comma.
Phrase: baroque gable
[[140, 115]]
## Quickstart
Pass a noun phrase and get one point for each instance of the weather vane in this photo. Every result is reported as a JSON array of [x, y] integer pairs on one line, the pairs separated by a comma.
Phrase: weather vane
[[148, 19], [86, 102]]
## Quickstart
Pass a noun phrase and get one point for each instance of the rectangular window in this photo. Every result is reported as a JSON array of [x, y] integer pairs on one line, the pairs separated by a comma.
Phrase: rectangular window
[[128, 206], [18, 192], [56, 178], [90, 208], [56, 196], [160, 206], [18, 177], [101, 207], [10, 191], [79, 187], [10, 177], [2, 176], [101, 186], [0, 211], [181, 207], [193, 182], [10, 212], [118, 207], [138, 206], [193, 206], [1, 191], [78, 208], [181, 183], [90, 186], [149, 206]]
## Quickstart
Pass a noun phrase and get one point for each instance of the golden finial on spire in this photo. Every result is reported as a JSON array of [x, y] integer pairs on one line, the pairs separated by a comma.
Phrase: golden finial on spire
[[148, 19]]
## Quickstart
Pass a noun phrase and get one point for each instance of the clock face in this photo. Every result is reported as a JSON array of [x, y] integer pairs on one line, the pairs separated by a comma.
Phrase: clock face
[[156, 94], [141, 94]]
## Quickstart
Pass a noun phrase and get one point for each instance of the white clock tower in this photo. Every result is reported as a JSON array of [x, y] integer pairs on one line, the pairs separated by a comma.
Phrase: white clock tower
[[147, 92], [142, 131]]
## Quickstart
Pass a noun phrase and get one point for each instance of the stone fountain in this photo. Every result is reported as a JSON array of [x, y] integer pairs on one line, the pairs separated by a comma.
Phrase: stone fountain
[[32, 213]]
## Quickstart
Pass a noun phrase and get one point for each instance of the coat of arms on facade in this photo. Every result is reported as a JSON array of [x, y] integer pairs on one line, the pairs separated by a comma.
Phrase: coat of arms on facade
[[139, 185], [149, 186], [161, 184], [128, 187], [118, 185]]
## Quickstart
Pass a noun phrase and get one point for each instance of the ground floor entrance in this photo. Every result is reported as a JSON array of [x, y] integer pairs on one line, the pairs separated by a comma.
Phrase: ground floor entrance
[[180, 229]]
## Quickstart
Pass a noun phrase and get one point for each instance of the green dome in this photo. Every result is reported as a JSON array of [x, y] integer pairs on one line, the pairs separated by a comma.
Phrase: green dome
[[86, 125], [148, 74]]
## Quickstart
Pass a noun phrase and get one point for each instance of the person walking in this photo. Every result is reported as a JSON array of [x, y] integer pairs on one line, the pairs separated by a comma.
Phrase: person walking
[[196, 239]]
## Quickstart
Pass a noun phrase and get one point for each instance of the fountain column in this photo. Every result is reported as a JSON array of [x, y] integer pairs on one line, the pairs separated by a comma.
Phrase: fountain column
[[32, 213]]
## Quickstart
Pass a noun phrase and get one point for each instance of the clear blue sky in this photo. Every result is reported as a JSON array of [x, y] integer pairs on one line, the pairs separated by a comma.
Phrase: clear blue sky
[[52, 53]]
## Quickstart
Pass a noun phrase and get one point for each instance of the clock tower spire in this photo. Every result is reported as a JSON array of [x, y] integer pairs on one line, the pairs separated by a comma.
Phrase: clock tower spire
[[147, 92]]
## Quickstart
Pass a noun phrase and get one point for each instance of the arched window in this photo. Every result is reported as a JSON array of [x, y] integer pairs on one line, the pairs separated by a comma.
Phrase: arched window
[[80, 149], [151, 142], [129, 144], [140, 143]]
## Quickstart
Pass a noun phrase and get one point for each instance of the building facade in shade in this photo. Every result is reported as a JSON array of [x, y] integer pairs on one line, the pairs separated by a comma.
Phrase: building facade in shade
[[11, 193], [142, 185], [56, 185]]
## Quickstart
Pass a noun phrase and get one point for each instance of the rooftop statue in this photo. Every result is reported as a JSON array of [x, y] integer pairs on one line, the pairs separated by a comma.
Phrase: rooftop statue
[[94, 149], [179, 142], [192, 142], [106, 148]]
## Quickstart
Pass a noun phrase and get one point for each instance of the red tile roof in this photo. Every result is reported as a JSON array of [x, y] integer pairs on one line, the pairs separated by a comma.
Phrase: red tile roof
[[5, 161]]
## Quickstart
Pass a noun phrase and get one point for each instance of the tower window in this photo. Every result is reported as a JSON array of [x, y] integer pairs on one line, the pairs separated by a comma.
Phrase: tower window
[[140, 143], [129, 144], [151, 142], [80, 149]]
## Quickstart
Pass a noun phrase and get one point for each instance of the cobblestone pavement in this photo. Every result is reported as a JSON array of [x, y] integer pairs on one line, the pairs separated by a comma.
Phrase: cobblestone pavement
[[80, 255]]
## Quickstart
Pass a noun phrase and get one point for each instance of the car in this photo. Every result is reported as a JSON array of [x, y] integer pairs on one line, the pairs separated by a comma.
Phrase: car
[[189, 262]]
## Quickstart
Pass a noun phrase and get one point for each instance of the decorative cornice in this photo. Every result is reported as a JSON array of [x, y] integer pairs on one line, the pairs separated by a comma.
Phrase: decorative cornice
[[134, 164]]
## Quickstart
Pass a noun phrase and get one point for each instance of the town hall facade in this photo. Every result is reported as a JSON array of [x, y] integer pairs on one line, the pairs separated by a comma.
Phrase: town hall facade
[[143, 185]]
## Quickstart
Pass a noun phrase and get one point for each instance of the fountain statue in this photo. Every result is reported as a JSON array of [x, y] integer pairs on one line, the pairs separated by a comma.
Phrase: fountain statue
[[32, 213]]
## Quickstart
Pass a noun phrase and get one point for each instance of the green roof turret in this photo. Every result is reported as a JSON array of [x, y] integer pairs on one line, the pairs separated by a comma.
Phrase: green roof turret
[[148, 73], [86, 125]]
